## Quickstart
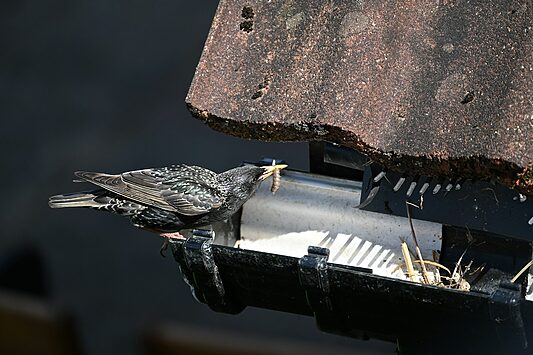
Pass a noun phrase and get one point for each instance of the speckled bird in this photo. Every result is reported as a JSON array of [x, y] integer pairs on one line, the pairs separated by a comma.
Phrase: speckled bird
[[167, 200]]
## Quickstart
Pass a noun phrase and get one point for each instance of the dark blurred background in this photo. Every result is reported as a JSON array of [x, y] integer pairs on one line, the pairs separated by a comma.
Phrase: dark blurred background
[[100, 85]]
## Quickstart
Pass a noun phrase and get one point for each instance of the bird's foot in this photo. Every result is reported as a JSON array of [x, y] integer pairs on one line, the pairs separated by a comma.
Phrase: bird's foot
[[175, 235], [167, 237]]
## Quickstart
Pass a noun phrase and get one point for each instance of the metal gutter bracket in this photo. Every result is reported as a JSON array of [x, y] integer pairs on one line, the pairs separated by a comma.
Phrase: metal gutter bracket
[[201, 272], [505, 310], [313, 275]]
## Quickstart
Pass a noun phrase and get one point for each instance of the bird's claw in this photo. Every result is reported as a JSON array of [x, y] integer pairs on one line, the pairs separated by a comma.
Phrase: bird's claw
[[164, 248]]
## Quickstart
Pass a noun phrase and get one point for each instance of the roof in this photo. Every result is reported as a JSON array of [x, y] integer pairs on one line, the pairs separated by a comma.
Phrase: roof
[[438, 88]]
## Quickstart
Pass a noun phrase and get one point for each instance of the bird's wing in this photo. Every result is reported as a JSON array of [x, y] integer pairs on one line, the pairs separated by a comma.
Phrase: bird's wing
[[189, 190]]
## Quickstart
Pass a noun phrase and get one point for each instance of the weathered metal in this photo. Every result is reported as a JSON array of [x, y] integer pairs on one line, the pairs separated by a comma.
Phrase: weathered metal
[[427, 87]]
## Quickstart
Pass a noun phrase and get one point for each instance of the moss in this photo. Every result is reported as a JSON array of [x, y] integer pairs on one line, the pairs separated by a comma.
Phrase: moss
[[526, 177]]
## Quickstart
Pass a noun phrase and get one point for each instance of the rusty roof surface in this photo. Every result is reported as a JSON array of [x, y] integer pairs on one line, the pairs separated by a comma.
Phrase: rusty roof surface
[[430, 87]]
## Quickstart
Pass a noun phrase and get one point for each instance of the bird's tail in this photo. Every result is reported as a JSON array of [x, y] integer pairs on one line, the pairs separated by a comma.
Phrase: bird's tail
[[77, 199]]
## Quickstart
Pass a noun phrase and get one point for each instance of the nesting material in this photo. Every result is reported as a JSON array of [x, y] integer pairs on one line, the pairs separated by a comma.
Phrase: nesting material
[[430, 272], [410, 269], [524, 269]]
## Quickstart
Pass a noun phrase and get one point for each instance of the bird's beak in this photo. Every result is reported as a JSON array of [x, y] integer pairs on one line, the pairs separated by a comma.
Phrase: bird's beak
[[269, 170]]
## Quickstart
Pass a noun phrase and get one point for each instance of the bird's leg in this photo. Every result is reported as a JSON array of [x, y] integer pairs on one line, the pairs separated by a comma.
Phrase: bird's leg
[[167, 237]]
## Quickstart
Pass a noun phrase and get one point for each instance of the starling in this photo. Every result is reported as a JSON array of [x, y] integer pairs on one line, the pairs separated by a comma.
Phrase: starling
[[167, 200]]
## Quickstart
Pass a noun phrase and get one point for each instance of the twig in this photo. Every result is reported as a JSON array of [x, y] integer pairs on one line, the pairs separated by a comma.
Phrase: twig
[[368, 162], [478, 269], [458, 264], [467, 268], [494, 193], [412, 204], [408, 262], [417, 248], [435, 255], [427, 262], [522, 271], [403, 240], [434, 263]]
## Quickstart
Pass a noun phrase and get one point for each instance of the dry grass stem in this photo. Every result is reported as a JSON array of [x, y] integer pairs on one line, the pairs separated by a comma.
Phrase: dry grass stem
[[435, 264], [522, 271], [408, 262], [417, 248]]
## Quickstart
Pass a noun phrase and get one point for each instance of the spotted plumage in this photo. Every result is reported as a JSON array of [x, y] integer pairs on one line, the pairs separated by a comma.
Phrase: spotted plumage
[[167, 200]]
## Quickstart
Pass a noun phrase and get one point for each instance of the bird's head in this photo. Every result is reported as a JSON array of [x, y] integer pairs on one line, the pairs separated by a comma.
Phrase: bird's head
[[247, 178], [239, 184]]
